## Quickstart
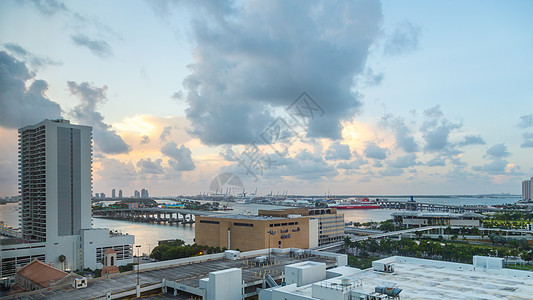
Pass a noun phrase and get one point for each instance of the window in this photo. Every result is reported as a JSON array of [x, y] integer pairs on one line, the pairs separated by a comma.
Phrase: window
[[209, 222], [244, 224]]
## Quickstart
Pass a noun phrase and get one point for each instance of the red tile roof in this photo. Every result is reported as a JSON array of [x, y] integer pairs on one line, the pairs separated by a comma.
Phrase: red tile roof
[[41, 273]]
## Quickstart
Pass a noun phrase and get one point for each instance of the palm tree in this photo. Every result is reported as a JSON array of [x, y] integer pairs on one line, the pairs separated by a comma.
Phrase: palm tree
[[62, 259]]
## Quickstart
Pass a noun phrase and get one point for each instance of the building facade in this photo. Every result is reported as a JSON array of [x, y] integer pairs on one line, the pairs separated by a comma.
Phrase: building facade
[[526, 190], [329, 224], [55, 161], [248, 233]]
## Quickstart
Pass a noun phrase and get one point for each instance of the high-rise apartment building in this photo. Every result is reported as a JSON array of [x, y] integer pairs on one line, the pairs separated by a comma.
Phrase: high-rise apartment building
[[55, 159], [526, 189], [113, 194], [144, 193], [136, 194], [120, 193], [55, 179]]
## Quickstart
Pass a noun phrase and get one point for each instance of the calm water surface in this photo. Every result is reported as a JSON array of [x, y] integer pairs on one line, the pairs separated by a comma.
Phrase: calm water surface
[[148, 234]]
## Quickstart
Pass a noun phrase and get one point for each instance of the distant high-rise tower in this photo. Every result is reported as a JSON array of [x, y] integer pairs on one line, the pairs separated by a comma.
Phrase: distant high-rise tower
[[113, 194], [144, 193], [120, 193], [55, 179], [136, 194], [526, 189]]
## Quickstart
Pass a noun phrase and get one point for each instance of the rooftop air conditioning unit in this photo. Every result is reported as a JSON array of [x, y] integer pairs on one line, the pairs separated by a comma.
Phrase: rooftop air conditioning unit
[[80, 283]]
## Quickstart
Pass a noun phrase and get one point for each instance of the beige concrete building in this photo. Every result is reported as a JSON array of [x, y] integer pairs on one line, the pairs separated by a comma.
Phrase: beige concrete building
[[329, 224], [247, 233], [278, 228]]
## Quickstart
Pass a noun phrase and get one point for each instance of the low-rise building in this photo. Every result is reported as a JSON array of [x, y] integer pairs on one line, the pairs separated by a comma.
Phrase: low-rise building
[[37, 275], [329, 224], [247, 233], [419, 218]]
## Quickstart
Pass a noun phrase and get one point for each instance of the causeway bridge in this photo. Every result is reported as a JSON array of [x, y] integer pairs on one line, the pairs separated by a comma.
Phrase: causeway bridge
[[169, 215], [9, 231], [427, 206]]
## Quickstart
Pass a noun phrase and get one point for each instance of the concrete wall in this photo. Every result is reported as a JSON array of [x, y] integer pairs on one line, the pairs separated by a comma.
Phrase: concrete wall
[[468, 223], [225, 285], [305, 273], [313, 233], [213, 231]]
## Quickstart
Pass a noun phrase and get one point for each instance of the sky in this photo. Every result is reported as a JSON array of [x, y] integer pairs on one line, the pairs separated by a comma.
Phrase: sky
[[299, 97]]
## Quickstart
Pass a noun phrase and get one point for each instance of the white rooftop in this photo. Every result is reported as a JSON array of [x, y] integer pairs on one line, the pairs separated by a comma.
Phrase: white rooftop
[[429, 279]]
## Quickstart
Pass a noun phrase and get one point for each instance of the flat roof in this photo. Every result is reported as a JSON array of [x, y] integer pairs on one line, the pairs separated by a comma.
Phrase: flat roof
[[428, 279], [423, 214], [248, 217], [187, 274]]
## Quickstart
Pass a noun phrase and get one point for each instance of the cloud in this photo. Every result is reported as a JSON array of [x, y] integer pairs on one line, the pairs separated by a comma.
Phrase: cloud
[[391, 172], [21, 106], [254, 58], [145, 139], [34, 60], [48, 7], [181, 157], [165, 133], [436, 162], [148, 166], [402, 133], [404, 39], [526, 121], [436, 131], [472, 140], [497, 166], [498, 151], [107, 139], [99, 48], [303, 166], [352, 165], [528, 140], [114, 170], [372, 150], [405, 161], [338, 151]]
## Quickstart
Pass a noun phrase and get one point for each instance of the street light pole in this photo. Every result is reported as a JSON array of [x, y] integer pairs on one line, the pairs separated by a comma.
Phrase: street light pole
[[138, 268]]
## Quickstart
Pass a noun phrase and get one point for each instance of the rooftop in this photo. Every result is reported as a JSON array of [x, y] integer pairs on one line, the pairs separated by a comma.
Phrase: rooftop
[[429, 279], [422, 214], [247, 217], [187, 274], [41, 273]]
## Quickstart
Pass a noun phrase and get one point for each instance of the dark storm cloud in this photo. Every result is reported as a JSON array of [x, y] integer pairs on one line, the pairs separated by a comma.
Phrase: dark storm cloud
[[107, 139], [338, 151], [262, 55], [99, 48], [21, 106], [528, 140], [472, 140], [436, 131], [148, 166], [402, 133], [526, 121], [372, 150], [498, 151], [404, 39], [35, 61], [181, 159]]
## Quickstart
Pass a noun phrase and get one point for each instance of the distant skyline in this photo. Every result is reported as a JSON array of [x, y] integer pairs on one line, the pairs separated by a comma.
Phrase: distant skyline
[[413, 97]]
